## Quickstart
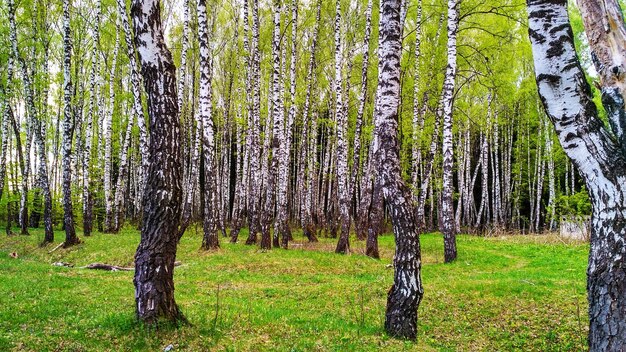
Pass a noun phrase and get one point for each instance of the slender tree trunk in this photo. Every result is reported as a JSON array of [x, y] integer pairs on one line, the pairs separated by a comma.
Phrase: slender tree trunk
[[405, 295], [484, 171], [23, 213], [122, 178], [107, 181], [137, 107], [282, 220], [5, 142], [254, 185], [551, 211], [343, 245], [539, 189], [426, 187], [87, 198], [309, 146], [356, 163], [418, 117], [599, 158], [7, 116], [210, 239], [68, 130], [447, 211], [162, 198]]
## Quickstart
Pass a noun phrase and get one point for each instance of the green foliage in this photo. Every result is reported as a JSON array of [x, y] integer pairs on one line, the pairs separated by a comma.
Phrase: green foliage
[[575, 204], [514, 293]]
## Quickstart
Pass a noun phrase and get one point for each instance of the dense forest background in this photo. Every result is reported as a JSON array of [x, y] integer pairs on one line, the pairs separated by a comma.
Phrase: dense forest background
[[317, 77]]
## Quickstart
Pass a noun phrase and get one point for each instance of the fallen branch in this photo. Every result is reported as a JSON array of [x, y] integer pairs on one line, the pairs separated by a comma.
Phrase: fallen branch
[[62, 264], [109, 267], [57, 247]]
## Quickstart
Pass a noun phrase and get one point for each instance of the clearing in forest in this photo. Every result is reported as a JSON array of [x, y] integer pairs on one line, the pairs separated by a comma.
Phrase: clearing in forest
[[503, 293]]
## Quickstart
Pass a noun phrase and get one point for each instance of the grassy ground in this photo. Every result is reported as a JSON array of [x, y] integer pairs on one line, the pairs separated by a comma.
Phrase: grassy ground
[[502, 294]]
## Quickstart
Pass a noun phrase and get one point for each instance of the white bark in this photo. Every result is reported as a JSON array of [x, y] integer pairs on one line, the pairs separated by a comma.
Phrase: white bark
[[343, 246], [447, 211]]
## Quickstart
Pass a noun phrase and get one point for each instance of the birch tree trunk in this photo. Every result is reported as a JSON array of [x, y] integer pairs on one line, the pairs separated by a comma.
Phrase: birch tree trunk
[[210, 239], [254, 185], [137, 107], [122, 177], [23, 213], [599, 158], [309, 149], [550, 211], [426, 187], [447, 211], [356, 163], [282, 221], [107, 181], [5, 135], [484, 170], [418, 120], [162, 198], [405, 295], [87, 199], [7, 116], [68, 129], [343, 245]]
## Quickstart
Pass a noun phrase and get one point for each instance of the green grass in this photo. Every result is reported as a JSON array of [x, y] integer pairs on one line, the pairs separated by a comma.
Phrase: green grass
[[515, 293]]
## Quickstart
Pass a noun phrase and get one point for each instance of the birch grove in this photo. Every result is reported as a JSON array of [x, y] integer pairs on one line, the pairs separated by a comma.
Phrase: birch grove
[[286, 125]]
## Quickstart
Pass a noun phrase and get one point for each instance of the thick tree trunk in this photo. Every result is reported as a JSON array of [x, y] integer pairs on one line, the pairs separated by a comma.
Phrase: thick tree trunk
[[599, 158], [156, 253], [405, 295]]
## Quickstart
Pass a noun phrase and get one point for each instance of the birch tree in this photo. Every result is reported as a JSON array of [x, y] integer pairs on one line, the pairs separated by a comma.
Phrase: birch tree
[[405, 295], [162, 198], [68, 129], [210, 239], [343, 245], [87, 197], [447, 212], [254, 190], [599, 158]]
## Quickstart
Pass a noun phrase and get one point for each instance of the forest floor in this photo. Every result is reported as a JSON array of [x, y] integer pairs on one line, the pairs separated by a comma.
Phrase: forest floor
[[523, 293]]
